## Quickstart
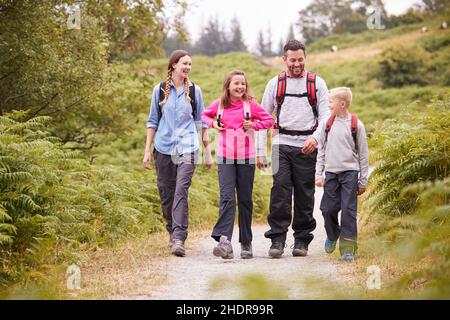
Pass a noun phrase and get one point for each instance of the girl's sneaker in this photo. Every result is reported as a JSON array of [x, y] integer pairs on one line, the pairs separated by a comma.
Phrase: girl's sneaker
[[246, 251], [224, 249]]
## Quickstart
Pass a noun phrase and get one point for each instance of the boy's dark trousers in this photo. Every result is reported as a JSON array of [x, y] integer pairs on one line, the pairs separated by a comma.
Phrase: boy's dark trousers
[[174, 179], [340, 194], [235, 178], [296, 172]]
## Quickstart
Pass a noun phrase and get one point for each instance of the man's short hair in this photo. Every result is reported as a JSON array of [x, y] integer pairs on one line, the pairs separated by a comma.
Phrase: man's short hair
[[343, 94], [294, 45]]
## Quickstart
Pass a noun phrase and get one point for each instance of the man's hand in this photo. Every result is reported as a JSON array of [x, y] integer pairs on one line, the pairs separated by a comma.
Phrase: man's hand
[[361, 190], [261, 162], [319, 182], [147, 159], [309, 146]]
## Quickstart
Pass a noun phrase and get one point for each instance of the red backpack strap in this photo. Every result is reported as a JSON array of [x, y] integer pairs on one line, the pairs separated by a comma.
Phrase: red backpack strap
[[354, 129], [281, 91], [312, 92], [328, 126]]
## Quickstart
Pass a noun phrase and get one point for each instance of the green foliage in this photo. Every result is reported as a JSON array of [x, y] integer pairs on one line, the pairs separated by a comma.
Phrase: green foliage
[[52, 202], [402, 66], [52, 70], [423, 143]]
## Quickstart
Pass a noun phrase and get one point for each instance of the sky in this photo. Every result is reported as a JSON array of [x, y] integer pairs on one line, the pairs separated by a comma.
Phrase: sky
[[255, 15]]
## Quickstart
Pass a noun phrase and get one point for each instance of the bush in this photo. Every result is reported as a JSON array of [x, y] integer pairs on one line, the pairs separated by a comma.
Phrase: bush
[[402, 66], [409, 153]]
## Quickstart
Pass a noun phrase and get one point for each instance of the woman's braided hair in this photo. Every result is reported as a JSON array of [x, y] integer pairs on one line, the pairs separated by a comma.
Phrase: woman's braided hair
[[174, 58]]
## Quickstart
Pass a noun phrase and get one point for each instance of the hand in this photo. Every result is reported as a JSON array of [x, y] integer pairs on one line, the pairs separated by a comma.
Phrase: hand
[[208, 161], [147, 159], [261, 162], [247, 124], [309, 146], [361, 190], [274, 132], [319, 182], [215, 126]]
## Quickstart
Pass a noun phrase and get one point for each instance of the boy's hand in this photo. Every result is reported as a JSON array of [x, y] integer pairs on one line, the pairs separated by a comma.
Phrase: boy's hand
[[319, 182], [361, 190], [247, 124]]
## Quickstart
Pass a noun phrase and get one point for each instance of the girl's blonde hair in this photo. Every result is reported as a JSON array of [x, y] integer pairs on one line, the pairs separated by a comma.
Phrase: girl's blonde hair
[[174, 58], [343, 94], [225, 97]]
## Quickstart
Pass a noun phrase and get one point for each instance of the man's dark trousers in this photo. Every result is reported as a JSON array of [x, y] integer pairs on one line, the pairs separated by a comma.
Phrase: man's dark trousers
[[296, 172]]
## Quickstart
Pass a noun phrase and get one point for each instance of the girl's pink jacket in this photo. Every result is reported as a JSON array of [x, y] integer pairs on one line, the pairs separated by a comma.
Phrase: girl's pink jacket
[[234, 142]]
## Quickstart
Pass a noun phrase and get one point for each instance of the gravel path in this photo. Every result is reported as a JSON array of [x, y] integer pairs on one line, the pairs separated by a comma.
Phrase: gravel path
[[200, 275]]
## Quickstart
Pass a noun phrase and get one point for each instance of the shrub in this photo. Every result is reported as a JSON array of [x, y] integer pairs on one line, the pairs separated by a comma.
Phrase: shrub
[[402, 66]]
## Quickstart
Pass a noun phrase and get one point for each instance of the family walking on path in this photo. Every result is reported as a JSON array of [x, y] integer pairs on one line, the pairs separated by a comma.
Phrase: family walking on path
[[313, 134]]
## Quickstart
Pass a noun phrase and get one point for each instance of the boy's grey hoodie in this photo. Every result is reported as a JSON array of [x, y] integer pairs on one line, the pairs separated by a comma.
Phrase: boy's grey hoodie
[[339, 153]]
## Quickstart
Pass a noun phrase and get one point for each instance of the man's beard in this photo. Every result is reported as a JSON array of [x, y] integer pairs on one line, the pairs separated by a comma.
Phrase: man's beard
[[292, 71]]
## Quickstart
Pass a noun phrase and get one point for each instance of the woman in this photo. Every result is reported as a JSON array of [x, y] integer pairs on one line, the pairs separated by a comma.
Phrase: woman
[[173, 124]]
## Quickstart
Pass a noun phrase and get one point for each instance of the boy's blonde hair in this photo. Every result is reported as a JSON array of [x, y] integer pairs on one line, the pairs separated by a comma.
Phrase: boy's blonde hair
[[343, 94]]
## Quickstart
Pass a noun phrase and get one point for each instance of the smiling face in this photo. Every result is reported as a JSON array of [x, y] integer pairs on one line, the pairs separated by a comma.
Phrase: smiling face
[[237, 87], [295, 62], [337, 106], [182, 67]]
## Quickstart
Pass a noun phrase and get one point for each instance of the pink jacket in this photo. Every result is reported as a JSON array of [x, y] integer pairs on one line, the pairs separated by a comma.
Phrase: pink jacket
[[234, 142]]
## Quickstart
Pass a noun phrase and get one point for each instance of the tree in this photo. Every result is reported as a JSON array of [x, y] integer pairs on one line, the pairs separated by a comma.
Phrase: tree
[[435, 6], [51, 70], [269, 42], [291, 34], [316, 21], [212, 40], [236, 42], [261, 44], [281, 47], [323, 18], [133, 26]]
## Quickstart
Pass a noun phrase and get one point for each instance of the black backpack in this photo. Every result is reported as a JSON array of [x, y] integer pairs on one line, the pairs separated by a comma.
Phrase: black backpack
[[191, 95]]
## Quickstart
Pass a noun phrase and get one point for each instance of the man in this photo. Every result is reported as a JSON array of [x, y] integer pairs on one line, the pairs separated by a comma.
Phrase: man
[[300, 101]]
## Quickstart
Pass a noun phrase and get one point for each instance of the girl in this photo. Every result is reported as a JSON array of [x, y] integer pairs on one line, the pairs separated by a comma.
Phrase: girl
[[235, 115], [173, 122]]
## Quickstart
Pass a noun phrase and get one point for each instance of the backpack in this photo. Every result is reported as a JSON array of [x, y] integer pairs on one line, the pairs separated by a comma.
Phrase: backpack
[[353, 128], [247, 112], [191, 95], [311, 94]]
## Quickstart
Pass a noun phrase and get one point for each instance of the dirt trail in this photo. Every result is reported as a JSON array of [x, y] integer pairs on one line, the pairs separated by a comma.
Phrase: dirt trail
[[200, 275]]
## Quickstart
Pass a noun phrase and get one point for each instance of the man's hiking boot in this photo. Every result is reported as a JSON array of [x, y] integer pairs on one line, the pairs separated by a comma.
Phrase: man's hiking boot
[[276, 249], [178, 247], [330, 246], [300, 249], [246, 251], [170, 243], [223, 249]]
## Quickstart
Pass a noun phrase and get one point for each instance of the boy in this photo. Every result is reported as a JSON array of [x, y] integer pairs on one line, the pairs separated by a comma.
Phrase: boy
[[343, 155]]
